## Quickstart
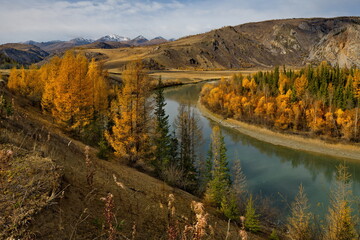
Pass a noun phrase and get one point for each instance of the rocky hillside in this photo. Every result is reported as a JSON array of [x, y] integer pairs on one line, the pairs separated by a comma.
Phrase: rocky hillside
[[21, 53], [293, 42]]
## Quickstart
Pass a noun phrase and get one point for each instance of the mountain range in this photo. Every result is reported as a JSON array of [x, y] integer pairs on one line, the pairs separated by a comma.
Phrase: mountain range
[[109, 40], [292, 42]]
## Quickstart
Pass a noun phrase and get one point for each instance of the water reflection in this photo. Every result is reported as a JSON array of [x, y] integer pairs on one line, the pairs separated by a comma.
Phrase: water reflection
[[271, 170]]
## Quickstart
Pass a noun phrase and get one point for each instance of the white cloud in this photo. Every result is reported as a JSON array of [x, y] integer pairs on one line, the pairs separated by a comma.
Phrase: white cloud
[[45, 20]]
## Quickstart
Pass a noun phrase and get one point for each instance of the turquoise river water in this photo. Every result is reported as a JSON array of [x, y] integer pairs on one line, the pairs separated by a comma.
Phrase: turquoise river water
[[271, 170]]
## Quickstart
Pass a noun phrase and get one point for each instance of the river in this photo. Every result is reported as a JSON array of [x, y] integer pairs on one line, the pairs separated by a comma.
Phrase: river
[[271, 170]]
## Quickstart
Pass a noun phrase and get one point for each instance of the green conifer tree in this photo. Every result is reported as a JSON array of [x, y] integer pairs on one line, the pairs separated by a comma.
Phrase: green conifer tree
[[252, 222], [229, 206], [208, 166], [162, 138], [174, 149], [220, 183], [189, 135]]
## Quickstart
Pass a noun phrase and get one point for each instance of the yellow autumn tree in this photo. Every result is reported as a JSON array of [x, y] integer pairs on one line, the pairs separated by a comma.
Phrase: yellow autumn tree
[[300, 85], [340, 222], [49, 74], [98, 88], [66, 98], [130, 135], [283, 82], [75, 91], [14, 80], [34, 86]]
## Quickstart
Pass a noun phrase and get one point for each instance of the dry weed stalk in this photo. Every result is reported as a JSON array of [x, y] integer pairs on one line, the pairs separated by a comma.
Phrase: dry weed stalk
[[242, 233], [172, 231], [83, 216], [133, 234], [109, 215], [118, 183], [198, 230], [90, 170]]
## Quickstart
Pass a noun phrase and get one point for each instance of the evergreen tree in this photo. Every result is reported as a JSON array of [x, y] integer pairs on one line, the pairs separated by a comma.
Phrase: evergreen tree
[[189, 137], [162, 139], [252, 222], [174, 149], [220, 183], [208, 166], [229, 206]]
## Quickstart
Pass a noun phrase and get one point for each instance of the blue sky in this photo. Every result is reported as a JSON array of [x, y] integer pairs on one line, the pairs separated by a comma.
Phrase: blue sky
[[43, 20]]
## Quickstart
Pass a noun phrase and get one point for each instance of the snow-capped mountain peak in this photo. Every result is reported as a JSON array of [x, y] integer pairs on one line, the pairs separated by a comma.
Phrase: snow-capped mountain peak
[[113, 38], [81, 41]]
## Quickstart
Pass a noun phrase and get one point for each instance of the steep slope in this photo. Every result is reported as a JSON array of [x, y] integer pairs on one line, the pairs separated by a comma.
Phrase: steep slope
[[75, 210], [23, 53], [339, 46], [293, 42], [300, 41]]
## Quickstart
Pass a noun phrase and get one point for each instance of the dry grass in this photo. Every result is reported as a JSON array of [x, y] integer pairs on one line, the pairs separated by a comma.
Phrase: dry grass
[[28, 184]]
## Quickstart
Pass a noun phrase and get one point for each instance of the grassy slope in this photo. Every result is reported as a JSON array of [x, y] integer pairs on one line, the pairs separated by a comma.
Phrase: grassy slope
[[78, 212]]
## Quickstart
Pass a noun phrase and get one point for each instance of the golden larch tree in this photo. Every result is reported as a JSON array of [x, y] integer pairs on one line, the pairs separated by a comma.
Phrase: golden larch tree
[[130, 135]]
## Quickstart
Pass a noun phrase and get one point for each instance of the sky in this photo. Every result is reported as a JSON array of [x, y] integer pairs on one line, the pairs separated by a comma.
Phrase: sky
[[44, 20]]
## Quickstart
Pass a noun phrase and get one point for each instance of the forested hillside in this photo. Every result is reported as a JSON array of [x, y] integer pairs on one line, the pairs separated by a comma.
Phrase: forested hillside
[[320, 101]]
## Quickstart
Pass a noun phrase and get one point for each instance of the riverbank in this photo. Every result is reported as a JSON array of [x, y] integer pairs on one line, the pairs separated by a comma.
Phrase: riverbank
[[285, 140]]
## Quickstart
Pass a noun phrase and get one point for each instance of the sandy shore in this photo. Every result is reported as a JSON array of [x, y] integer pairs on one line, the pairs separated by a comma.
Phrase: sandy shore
[[286, 140]]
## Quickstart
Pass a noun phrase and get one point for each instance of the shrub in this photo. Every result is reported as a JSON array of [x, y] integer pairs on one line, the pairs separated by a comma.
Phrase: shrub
[[103, 152], [273, 235]]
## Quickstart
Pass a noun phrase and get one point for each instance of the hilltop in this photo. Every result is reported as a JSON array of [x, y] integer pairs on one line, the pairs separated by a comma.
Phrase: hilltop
[[292, 42]]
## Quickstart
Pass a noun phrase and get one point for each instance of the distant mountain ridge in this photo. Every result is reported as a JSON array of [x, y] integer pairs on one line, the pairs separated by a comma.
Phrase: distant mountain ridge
[[108, 40], [29, 52]]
